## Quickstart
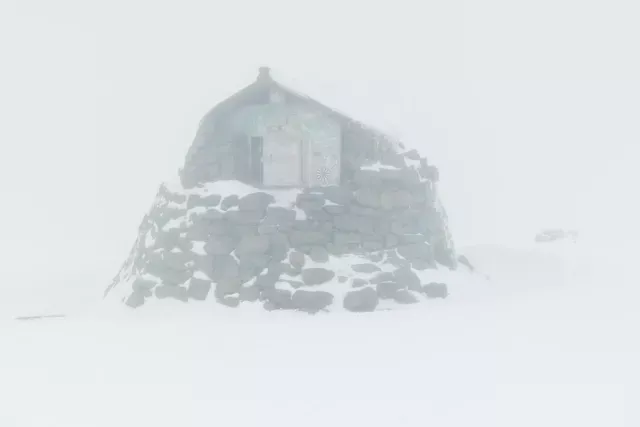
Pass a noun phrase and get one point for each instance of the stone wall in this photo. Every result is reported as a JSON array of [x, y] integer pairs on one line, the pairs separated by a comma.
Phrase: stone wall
[[375, 238]]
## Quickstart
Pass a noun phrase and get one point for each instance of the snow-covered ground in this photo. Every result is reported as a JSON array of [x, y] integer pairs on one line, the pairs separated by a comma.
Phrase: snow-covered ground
[[543, 335]]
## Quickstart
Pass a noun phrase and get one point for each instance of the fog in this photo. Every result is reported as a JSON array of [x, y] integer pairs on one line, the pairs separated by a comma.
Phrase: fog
[[529, 109]]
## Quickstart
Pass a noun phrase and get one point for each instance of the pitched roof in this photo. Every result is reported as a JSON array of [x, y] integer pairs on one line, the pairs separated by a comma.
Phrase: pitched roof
[[265, 83]]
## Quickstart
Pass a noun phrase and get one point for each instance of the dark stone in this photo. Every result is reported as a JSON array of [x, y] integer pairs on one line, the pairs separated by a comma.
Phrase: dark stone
[[279, 246], [405, 297], [308, 238], [266, 281], [228, 287], [383, 277], [319, 254], [311, 301], [210, 215], [310, 202], [277, 215], [136, 299], [408, 239], [249, 293], [342, 279], [436, 290], [220, 245], [419, 264], [367, 197], [391, 241], [346, 239], [276, 299], [362, 300], [336, 194], [207, 201], [168, 291], [335, 209], [253, 245], [224, 267], [229, 202], [400, 199], [229, 301], [255, 262], [462, 259], [420, 251], [365, 268], [409, 278], [244, 217], [297, 260], [358, 283], [372, 246], [316, 276], [387, 290], [142, 285], [412, 154], [198, 289], [255, 202]]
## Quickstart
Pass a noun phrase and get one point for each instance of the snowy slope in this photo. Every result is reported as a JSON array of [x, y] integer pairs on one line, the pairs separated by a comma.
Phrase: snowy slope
[[544, 342]]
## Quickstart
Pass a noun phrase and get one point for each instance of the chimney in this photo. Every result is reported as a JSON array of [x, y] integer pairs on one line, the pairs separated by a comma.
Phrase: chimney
[[264, 74]]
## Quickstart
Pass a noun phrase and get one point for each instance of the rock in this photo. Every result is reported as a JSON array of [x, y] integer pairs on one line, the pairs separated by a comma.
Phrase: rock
[[342, 240], [229, 301], [365, 268], [249, 293], [335, 209], [395, 199], [220, 245], [342, 279], [308, 238], [391, 241], [319, 254], [297, 260], [208, 201], [209, 215], [198, 289], [311, 301], [244, 217], [384, 276], [363, 300], [388, 290], [409, 239], [229, 202], [169, 291], [255, 202], [409, 278], [412, 154], [224, 267], [421, 251], [252, 245], [279, 246], [142, 285], [462, 259], [316, 276], [405, 297], [277, 299], [358, 283], [254, 262], [277, 215], [227, 287], [267, 281], [136, 299], [436, 290], [310, 202], [336, 194], [367, 197]]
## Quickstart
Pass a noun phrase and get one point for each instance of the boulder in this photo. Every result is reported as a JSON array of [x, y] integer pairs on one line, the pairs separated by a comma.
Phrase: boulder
[[198, 289], [142, 285], [311, 301], [297, 260], [169, 291], [207, 201], [421, 251], [229, 202], [388, 290], [276, 299], [253, 245], [358, 282], [223, 267], [399, 199], [408, 278], [367, 197], [316, 276], [220, 245], [363, 300], [405, 297], [255, 202], [319, 254], [244, 217], [227, 287], [365, 268], [249, 293], [384, 276], [229, 301], [308, 238], [136, 299], [436, 290]]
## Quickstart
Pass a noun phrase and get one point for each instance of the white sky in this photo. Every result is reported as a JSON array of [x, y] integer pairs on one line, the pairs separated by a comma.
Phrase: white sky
[[529, 108]]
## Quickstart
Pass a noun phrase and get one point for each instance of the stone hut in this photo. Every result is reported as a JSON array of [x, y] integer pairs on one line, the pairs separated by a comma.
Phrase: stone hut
[[285, 202]]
